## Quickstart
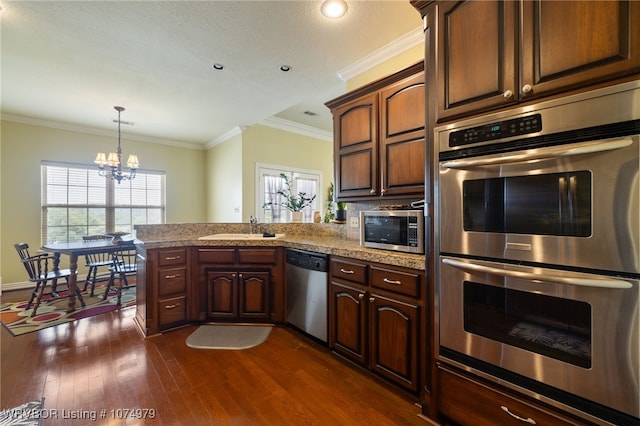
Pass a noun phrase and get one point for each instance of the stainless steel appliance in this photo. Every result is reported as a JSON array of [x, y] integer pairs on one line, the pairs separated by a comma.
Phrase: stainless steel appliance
[[399, 230], [538, 235], [307, 287]]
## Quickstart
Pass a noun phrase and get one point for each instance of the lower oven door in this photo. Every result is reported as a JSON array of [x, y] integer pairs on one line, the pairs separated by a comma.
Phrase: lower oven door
[[574, 332]]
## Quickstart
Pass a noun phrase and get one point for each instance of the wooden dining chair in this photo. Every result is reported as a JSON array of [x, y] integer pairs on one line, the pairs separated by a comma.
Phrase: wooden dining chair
[[123, 265], [41, 270], [95, 262]]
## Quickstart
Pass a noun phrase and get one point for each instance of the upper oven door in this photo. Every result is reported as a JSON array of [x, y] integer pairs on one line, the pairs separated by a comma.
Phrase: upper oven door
[[572, 205]]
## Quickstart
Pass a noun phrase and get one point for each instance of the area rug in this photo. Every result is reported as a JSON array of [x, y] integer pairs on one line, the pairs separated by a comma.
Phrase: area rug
[[53, 311], [222, 336], [28, 414]]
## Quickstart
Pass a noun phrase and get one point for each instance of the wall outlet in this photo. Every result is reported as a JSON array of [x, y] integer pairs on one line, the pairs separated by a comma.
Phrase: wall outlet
[[353, 222]]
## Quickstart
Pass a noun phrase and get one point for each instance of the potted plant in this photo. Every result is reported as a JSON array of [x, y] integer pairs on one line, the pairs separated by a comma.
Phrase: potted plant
[[330, 215], [293, 202], [341, 211]]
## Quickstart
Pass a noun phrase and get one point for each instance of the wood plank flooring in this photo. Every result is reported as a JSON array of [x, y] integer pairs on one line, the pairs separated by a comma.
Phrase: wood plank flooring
[[103, 363]]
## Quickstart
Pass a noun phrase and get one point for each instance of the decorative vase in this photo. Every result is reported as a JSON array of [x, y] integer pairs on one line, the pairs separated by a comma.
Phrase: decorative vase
[[296, 216], [341, 215]]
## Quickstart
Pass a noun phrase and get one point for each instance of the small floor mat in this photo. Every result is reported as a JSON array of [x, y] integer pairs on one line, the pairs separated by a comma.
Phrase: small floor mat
[[234, 337]]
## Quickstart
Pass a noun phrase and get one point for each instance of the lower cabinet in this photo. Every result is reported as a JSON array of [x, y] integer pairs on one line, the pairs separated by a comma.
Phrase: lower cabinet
[[377, 329], [466, 400], [238, 295], [240, 284]]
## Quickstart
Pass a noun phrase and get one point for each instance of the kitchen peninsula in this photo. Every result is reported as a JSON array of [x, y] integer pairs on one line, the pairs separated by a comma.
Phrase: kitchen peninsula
[[377, 298]]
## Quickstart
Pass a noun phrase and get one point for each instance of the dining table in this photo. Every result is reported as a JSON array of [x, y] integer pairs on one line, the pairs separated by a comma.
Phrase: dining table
[[76, 249]]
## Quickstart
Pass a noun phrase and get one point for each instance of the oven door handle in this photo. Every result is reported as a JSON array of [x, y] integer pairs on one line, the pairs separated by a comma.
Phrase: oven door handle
[[540, 154], [585, 282]]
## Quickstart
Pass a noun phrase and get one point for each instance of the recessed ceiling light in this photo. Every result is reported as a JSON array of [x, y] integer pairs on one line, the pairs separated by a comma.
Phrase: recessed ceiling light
[[285, 68], [218, 67], [333, 9]]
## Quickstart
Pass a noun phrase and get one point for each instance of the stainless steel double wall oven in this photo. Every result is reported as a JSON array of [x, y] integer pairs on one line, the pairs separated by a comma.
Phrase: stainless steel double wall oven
[[538, 238]]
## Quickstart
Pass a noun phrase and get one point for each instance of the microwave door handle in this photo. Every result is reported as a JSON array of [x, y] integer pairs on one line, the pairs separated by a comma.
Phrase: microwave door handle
[[540, 154], [585, 282]]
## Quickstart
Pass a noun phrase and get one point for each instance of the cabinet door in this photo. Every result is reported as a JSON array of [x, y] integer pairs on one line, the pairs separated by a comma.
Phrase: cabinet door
[[347, 308], [394, 340], [222, 294], [402, 140], [476, 56], [356, 147], [254, 295], [570, 44]]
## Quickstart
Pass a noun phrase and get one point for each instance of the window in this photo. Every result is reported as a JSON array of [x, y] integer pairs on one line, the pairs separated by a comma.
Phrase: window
[[269, 181], [76, 201]]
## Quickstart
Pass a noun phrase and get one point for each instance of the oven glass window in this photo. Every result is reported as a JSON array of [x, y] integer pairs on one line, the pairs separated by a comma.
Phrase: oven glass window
[[551, 326], [386, 229], [548, 204]]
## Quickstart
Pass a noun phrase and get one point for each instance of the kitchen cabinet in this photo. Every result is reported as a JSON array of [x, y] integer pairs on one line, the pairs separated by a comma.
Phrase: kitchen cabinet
[[467, 400], [164, 300], [375, 317], [493, 54], [379, 138], [240, 283], [237, 295]]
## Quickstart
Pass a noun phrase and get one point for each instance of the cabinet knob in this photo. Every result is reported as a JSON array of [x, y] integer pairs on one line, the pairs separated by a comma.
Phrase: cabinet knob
[[373, 191], [527, 88], [371, 299], [361, 296], [507, 94], [382, 191]]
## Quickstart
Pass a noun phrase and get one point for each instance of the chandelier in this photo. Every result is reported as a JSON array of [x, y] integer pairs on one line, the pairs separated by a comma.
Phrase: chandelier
[[111, 166]]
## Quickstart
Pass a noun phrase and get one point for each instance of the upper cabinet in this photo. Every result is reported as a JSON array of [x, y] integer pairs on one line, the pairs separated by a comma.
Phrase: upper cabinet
[[379, 138], [491, 54]]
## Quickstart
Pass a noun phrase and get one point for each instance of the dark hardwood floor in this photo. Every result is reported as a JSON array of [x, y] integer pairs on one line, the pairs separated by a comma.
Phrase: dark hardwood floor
[[103, 363]]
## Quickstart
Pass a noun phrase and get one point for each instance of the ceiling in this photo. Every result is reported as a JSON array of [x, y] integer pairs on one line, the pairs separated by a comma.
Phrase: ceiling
[[70, 62]]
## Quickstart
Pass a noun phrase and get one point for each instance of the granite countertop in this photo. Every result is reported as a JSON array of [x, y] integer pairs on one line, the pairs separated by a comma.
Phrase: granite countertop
[[322, 238]]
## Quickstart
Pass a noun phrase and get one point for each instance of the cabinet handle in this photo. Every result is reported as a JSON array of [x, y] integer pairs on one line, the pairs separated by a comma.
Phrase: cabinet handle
[[507, 94], [344, 271], [388, 281], [527, 88], [170, 277], [172, 258], [172, 306], [522, 419]]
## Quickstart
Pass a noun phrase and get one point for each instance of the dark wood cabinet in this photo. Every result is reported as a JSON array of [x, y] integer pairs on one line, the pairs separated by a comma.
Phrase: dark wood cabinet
[[167, 293], [468, 400], [240, 283], [375, 328], [492, 54], [379, 138], [238, 295]]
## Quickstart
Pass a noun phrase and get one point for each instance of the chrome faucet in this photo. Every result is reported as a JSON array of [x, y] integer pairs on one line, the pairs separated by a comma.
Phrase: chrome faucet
[[253, 224]]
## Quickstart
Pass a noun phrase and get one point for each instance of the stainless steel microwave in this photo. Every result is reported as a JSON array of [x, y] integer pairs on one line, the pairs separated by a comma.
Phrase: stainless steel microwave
[[398, 230]]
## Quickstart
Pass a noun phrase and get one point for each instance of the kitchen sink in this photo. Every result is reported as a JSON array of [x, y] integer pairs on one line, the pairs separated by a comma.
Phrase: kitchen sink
[[240, 237]]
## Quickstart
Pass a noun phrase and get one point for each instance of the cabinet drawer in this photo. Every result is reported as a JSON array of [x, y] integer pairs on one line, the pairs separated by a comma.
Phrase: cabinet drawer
[[172, 310], [226, 255], [172, 257], [355, 272], [400, 282], [171, 280], [470, 402], [262, 256]]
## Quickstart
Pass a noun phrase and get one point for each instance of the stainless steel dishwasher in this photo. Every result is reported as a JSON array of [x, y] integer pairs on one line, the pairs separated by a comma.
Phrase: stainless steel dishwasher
[[307, 287]]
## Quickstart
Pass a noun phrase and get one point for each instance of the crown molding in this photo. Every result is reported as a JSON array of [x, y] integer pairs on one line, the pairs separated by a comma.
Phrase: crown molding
[[226, 136], [95, 131], [404, 43], [301, 129]]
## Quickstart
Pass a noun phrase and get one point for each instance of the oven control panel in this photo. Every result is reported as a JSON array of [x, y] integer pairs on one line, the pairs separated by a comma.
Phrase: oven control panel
[[494, 131]]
